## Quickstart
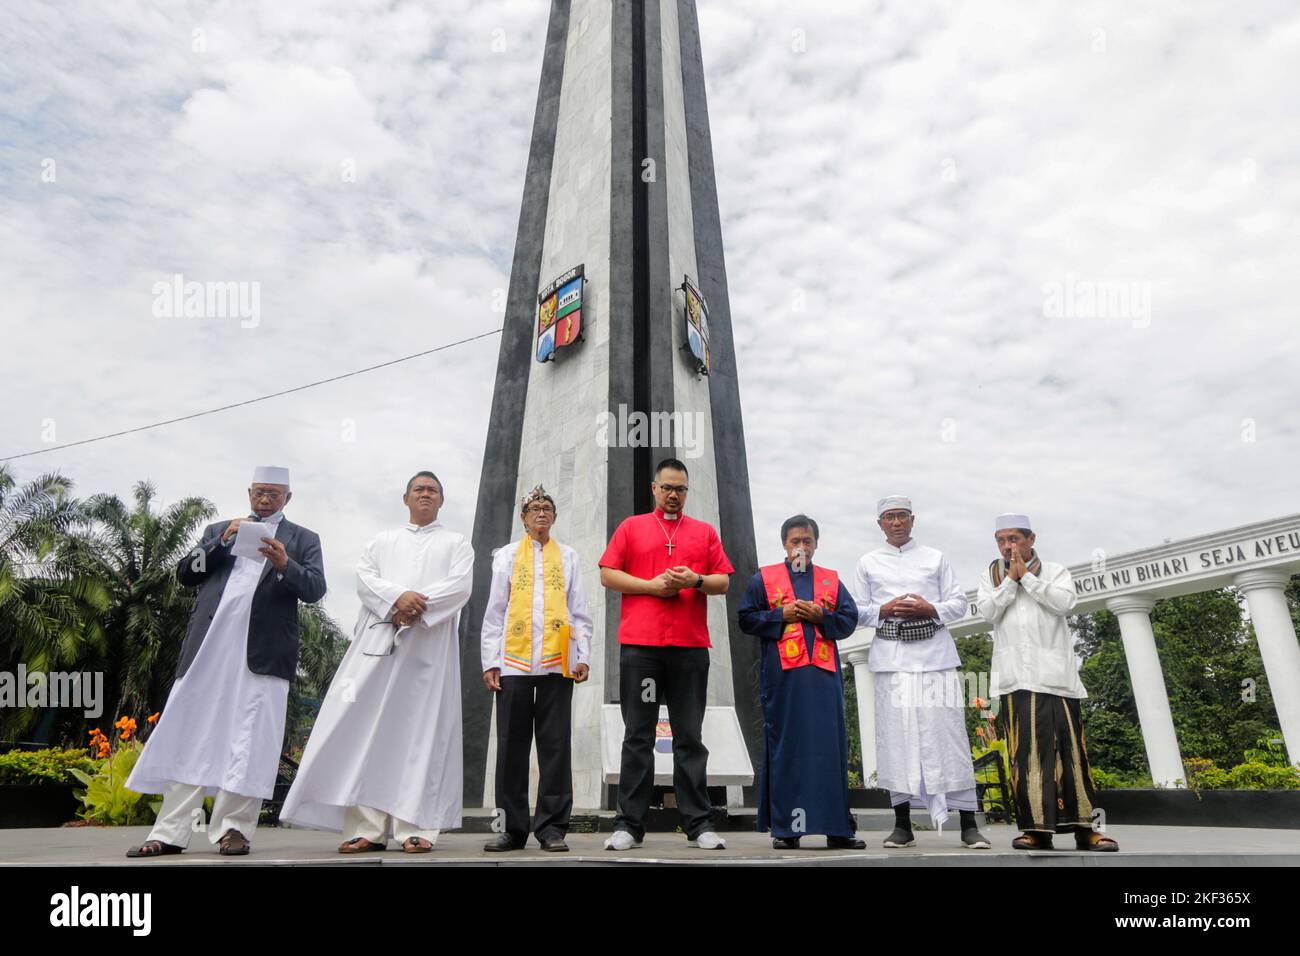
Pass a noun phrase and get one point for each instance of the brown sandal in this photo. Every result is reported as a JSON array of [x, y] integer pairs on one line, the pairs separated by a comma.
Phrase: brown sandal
[[417, 845], [1032, 841], [354, 846], [152, 848], [1102, 844], [233, 843]]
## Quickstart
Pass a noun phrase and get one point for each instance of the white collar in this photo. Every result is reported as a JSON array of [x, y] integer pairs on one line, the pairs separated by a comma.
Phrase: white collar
[[423, 529], [908, 545], [273, 519]]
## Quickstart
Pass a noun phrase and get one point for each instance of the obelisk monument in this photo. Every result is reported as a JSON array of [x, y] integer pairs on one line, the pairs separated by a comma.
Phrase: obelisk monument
[[617, 347]]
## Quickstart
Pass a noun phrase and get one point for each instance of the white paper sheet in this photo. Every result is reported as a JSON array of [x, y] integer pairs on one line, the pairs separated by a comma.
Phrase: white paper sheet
[[248, 539]]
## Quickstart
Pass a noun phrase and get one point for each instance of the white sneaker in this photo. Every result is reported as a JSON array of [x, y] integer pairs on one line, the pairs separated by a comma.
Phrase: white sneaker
[[622, 840], [708, 840]]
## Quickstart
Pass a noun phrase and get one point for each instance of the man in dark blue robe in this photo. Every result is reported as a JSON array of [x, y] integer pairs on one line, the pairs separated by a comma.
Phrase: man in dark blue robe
[[804, 786]]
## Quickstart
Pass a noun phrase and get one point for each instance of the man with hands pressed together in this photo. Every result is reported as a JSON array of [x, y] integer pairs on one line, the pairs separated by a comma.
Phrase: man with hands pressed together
[[1036, 677], [664, 564]]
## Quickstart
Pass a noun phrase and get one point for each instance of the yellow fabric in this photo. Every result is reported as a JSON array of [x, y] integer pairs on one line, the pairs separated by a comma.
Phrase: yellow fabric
[[555, 610]]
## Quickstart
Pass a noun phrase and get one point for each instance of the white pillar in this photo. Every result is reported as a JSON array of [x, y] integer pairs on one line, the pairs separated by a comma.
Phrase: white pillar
[[1275, 632], [864, 682], [1148, 680]]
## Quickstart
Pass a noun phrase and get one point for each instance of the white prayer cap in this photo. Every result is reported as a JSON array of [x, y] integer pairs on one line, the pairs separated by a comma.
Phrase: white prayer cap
[[891, 502], [1006, 521], [270, 475]]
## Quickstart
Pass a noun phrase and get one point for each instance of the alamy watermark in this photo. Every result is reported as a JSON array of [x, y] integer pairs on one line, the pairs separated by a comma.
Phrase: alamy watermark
[[943, 689], [53, 689], [683, 430], [1098, 299], [133, 911], [178, 299]]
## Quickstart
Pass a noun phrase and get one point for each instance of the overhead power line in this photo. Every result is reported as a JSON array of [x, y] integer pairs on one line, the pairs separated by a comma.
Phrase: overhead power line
[[252, 401]]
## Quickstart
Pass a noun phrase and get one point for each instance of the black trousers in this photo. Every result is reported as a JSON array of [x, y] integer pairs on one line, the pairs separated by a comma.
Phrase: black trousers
[[541, 704], [1050, 775], [679, 678]]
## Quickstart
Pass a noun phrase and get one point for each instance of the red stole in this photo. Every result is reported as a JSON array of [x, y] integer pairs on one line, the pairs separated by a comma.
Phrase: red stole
[[791, 645]]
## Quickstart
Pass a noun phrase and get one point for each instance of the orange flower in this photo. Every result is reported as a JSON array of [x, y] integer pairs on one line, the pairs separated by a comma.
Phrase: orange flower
[[153, 719], [980, 732], [978, 702]]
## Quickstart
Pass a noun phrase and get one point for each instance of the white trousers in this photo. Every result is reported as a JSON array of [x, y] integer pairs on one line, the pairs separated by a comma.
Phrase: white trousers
[[374, 825], [182, 814]]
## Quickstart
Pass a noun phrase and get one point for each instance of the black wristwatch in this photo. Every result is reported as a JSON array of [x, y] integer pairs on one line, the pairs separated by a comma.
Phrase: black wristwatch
[[700, 582]]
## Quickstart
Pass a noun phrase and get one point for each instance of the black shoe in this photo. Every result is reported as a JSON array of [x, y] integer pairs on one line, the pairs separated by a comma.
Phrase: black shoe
[[785, 843], [900, 838], [845, 843], [502, 844], [972, 839], [554, 846]]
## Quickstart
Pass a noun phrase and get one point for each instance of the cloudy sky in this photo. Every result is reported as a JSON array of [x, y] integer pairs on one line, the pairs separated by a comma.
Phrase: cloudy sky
[[920, 203]]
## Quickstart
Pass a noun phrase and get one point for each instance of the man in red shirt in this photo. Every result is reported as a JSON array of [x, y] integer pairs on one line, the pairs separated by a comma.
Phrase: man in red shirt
[[664, 564]]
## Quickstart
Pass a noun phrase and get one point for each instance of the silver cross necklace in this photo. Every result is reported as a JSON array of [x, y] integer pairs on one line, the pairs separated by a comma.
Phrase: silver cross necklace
[[669, 545]]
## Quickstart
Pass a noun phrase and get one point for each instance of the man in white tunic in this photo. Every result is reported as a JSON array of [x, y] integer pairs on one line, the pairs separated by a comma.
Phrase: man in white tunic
[[385, 752], [222, 727], [536, 644], [908, 593], [1036, 677]]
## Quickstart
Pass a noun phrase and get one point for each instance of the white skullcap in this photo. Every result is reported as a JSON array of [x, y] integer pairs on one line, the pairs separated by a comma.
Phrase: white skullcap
[[1006, 521], [270, 475], [891, 502]]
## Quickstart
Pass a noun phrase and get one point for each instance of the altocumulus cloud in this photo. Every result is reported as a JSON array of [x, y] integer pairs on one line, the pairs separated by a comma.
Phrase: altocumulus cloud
[[902, 185]]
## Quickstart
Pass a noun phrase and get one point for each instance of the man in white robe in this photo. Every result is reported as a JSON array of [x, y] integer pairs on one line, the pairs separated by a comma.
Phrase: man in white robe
[[908, 593], [384, 755], [222, 727]]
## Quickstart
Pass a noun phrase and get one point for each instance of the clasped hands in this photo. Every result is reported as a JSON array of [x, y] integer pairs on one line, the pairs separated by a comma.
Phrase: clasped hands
[[1016, 567], [669, 582], [809, 611], [408, 608], [908, 606]]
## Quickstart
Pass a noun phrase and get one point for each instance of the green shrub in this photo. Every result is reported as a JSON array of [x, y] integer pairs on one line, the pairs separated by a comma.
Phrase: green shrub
[[1204, 774], [106, 800], [1105, 780], [1268, 749], [43, 766], [1263, 776]]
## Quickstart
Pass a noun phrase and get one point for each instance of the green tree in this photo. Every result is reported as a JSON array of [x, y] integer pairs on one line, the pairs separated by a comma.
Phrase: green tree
[[976, 653], [1110, 714], [854, 731], [321, 646], [1214, 677], [133, 553], [50, 612]]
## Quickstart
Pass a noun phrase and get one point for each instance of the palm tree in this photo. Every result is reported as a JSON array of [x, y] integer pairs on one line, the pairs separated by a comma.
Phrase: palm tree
[[134, 553], [49, 610]]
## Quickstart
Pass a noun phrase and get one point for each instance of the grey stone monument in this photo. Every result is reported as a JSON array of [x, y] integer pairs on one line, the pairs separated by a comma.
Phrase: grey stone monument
[[619, 181]]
